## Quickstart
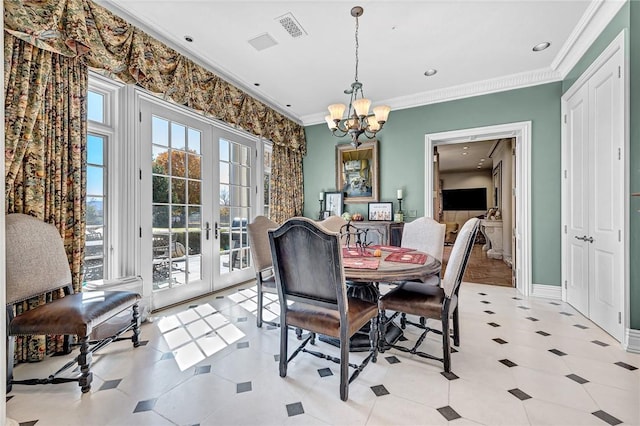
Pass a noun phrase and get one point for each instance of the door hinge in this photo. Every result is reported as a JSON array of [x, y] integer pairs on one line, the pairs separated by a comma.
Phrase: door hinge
[[565, 174], [619, 235], [140, 232], [565, 284], [140, 116], [565, 119], [619, 71], [565, 229], [619, 317], [619, 154], [140, 174]]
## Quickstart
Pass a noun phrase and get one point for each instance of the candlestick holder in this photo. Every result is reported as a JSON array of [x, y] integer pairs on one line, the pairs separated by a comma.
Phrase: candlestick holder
[[399, 216]]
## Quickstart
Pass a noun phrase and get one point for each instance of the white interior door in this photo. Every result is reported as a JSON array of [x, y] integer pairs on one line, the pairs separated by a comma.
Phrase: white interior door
[[594, 209], [606, 264], [577, 177]]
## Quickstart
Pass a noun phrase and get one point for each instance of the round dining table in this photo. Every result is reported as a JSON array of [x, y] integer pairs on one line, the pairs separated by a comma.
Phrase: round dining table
[[363, 283]]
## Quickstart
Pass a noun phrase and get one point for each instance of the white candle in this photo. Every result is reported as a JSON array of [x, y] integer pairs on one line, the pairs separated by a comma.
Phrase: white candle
[[399, 194], [321, 196]]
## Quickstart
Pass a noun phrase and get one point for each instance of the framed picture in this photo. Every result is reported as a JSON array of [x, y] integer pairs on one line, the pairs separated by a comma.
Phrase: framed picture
[[333, 202], [357, 172], [380, 211]]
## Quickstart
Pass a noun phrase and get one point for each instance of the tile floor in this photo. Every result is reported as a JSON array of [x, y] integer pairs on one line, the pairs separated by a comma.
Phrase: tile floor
[[522, 361]]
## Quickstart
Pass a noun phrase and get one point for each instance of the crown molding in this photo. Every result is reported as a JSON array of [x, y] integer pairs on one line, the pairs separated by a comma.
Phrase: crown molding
[[484, 87], [593, 22]]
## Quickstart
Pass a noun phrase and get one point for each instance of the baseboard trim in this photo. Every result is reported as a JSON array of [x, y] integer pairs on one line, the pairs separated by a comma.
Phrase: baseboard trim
[[546, 291], [632, 339]]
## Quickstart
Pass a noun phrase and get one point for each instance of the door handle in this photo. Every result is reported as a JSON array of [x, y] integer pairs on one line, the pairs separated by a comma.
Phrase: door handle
[[215, 230], [590, 239], [583, 238], [206, 230]]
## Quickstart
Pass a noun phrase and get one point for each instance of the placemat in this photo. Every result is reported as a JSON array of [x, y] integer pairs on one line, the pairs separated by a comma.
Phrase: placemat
[[355, 252], [360, 263], [417, 258], [392, 249]]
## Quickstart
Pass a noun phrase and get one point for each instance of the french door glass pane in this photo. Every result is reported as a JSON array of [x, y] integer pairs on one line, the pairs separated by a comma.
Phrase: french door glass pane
[[94, 257], [177, 203]]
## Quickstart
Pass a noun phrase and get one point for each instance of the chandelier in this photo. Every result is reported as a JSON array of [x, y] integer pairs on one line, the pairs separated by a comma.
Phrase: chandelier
[[357, 121]]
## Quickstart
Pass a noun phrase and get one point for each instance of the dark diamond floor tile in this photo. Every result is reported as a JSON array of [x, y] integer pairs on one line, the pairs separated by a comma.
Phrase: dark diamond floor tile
[[580, 326], [242, 319], [526, 308], [448, 413], [489, 312], [295, 409], [271, 327], [557, 352], [242, 345], [144, 342], [219, 297], [493, 324], [8, 398], [392, 359], [533, 319], [577, 378], [449, 375], [599, 343], [486, 302], [555, 303], [167, 355], [193, 306], [145, 405], [202, 369], [324, 372], [521, 395], [569, 314], [379, 390], [516, 298], [625, 365], [543, 333], [243, 387], [28, 423], [606, 417], [499, 340], [403, 339], [482, 294], [276, 357], [110, 384], [454, 350], [508, 363]]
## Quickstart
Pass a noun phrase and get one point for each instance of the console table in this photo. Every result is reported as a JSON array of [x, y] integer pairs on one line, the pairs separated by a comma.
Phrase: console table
[[381, 232], [492, 231]]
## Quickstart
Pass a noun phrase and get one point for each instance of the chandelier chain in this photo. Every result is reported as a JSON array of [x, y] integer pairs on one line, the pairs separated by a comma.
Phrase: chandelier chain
[[357, 46]]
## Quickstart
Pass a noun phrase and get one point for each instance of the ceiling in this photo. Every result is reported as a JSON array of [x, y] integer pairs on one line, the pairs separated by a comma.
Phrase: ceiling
[[477, 46], [467, 156]]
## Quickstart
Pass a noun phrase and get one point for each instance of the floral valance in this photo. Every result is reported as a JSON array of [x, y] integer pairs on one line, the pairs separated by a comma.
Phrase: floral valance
[[106, 42]]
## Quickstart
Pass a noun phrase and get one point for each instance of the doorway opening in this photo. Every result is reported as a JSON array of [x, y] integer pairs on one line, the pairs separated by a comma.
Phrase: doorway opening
[[520, 136]]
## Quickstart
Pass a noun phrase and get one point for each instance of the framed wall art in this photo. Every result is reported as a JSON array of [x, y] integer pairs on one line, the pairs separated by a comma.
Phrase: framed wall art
[[357, 172], [380, 211], [333, 202]]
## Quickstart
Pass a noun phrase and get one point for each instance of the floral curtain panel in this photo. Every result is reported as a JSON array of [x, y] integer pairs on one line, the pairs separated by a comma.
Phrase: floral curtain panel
[[45, 157]]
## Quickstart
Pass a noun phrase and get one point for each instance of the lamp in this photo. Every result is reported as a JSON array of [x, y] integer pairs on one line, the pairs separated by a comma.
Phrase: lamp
[[358, 121]]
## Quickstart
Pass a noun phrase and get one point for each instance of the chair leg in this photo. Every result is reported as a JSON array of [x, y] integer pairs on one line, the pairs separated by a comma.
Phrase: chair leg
[[374, 339], [344, 369], [284, 329], [136, 325], [260, 303], [446, 344], [11, 347], [382, 331], [456, 328], [84, 361]]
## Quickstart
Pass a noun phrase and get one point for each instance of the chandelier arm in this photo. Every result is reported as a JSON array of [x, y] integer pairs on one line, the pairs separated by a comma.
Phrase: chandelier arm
[[339, 133]]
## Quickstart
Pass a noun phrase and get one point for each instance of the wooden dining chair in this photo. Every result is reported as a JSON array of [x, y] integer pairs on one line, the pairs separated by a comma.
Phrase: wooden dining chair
[[433, 301], [426, 235], [309, 273], [262, 262]]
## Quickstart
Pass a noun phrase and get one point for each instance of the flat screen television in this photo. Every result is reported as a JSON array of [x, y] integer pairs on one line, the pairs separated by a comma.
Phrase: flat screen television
[[464, 199]]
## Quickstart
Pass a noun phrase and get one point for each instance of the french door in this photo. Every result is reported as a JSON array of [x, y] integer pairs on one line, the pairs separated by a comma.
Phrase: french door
[[196, 199]]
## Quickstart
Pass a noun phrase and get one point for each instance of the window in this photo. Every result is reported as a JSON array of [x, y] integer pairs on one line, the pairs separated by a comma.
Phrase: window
[[95, 254]]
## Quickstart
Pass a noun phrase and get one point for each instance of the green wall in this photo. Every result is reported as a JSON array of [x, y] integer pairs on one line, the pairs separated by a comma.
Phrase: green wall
[[402, 157]]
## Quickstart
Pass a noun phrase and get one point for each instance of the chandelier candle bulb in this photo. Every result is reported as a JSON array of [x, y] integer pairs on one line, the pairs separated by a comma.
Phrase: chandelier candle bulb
[[321, 196]]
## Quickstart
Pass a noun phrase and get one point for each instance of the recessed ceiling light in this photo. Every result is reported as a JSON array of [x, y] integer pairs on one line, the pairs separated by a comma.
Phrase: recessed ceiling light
[[430, 72], [479, 167], [464, 153], [482, 159], [541, 46], [465, 147], [188, 38]]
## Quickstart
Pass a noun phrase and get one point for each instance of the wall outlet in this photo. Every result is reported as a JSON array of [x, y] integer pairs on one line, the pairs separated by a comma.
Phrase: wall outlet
[[412, 213]]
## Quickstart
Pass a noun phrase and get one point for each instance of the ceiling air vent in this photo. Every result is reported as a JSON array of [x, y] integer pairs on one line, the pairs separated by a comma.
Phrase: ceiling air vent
[[291, 24], [263, 41]]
